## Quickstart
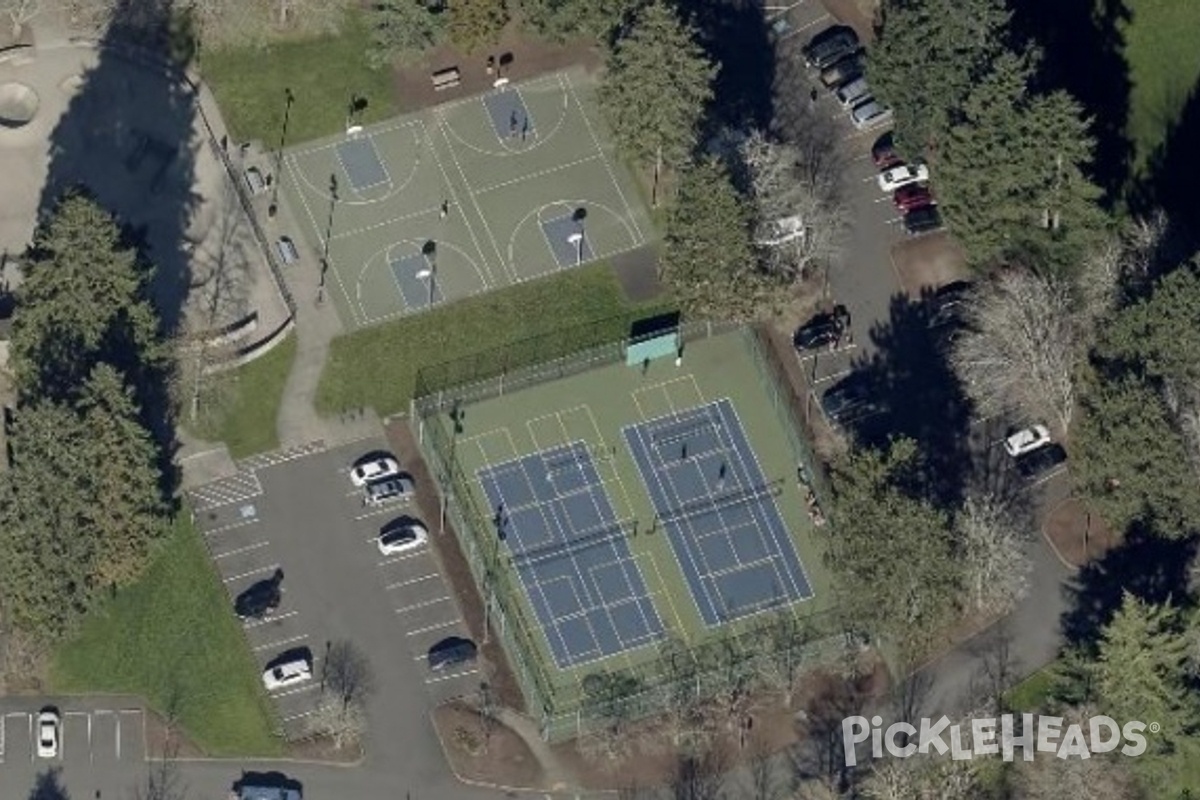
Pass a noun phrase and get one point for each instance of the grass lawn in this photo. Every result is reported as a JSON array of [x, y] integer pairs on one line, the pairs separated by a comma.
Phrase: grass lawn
[[242, 405], [1164, 64], [250, 84], [173, 639], [1031, 694], [377, 367]]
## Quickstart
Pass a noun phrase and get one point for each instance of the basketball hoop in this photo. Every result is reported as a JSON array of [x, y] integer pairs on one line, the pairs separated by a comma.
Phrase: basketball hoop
[[423, 274], [499, 82], [354, 130]]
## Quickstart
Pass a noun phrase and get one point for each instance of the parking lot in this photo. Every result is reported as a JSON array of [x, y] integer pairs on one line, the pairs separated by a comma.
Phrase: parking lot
[[100, 751], [301, 521]]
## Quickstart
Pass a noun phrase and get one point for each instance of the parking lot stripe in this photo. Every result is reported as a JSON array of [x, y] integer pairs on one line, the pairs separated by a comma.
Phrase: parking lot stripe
[[415, 606], [440, 678], [387, 508], [447, 624], [295, 717], [282, 642], [258, 571], [290, 692], [245, 549], [230, 526], [411, 581], [801, 28], [398, 559], [265, 620], [834, 376]]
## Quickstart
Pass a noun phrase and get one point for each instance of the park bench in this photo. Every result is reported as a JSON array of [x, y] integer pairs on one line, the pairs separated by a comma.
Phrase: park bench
[[288, 253], [255, 180], [446, 79]]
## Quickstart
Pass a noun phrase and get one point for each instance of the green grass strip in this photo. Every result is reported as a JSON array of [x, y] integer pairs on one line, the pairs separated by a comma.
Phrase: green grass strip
[[528, 323], [172, 638]]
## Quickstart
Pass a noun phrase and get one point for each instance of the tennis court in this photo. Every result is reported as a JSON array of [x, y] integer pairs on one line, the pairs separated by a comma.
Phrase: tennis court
[[571, 555], [463, 198], [719, 511]]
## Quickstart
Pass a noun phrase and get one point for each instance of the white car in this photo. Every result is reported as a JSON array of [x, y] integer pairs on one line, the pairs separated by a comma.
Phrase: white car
[[892, 179], [402, 538], [1027, 440], [376, 468], [281, 676], [48, 725]]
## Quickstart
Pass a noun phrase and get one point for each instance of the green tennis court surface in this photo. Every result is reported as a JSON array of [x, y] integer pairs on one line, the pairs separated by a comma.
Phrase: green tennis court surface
[[465, 197]]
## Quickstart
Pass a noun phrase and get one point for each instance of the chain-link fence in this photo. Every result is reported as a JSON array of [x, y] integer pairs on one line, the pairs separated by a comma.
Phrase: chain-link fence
[[762, 653]]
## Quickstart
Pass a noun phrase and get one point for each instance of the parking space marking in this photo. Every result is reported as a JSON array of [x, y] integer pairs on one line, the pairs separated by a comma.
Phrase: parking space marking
[[292, 692], [424, 604], [411, 581], [843, 349], [239, 550], [389, 561], [1048, 476], [259, 571], [62, 736], [295, 717], [282, 642], [382, 510], [835, 376], [232, 525], [801, 28], [447, 624], [123, 711], [440, 678], [265, 620]]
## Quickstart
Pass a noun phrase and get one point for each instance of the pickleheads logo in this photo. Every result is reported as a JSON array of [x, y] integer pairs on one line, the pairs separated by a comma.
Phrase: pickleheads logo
[[992, 736]]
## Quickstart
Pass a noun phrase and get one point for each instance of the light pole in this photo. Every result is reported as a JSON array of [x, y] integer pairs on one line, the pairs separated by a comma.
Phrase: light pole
[[289, 98]]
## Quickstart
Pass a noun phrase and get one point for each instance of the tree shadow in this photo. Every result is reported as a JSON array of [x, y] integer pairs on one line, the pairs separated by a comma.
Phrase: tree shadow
[[734, 34], [48, 786], [130, 137], [1083, 50], [1149, 567], [919, 397], [1169, 180]]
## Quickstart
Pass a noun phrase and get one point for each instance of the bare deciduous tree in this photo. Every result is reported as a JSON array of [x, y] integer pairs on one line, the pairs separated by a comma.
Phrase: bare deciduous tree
[[798, 223], [996, 568], [346, 673], [1020, 353], [21, 13], [344, 723], [765, 773], [609, 706], [780, 660], [699, 775], [997, 667], [1101, 777], [163, 779]]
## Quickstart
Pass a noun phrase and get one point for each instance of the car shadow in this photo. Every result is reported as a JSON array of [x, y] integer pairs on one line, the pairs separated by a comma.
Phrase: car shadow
[[268, 780]]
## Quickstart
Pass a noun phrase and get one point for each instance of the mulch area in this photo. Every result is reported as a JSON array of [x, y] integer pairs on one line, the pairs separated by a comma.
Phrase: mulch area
[[927, 262], [529, 57], [454, 566], [1078, 534], [774, 728], [494, 755]]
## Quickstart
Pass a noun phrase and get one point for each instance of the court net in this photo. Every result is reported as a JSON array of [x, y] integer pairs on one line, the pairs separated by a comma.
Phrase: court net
[[719, 502], [596, 537]]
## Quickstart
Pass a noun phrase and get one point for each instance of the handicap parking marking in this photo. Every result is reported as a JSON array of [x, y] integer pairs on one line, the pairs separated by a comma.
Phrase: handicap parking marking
[[423, 604], [281, 642], [240, 550]]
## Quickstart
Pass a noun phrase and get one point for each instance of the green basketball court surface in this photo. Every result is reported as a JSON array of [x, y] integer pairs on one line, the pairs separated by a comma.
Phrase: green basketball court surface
[[468, 196]]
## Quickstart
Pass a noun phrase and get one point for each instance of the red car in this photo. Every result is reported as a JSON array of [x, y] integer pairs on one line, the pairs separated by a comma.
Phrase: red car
[[914, 195], [884, 152]]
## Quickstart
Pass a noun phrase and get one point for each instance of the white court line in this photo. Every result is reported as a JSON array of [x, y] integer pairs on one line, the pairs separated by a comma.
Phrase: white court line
[[423, 604], [440, 678], [411, 581], [245, 549], [266, 620], [538, 173], [282, 642], [257, 571], [454, 195], [436, 626], [232, 525]]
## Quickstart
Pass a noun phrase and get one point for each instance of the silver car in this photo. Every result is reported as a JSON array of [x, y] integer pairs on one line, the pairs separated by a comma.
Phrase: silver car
[[391, 489], [853, 93], [870, 114]]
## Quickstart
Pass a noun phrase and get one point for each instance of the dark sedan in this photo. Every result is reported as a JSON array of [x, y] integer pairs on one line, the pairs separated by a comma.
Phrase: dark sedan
[[823, 330], [849, 400], [1041, 463]]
